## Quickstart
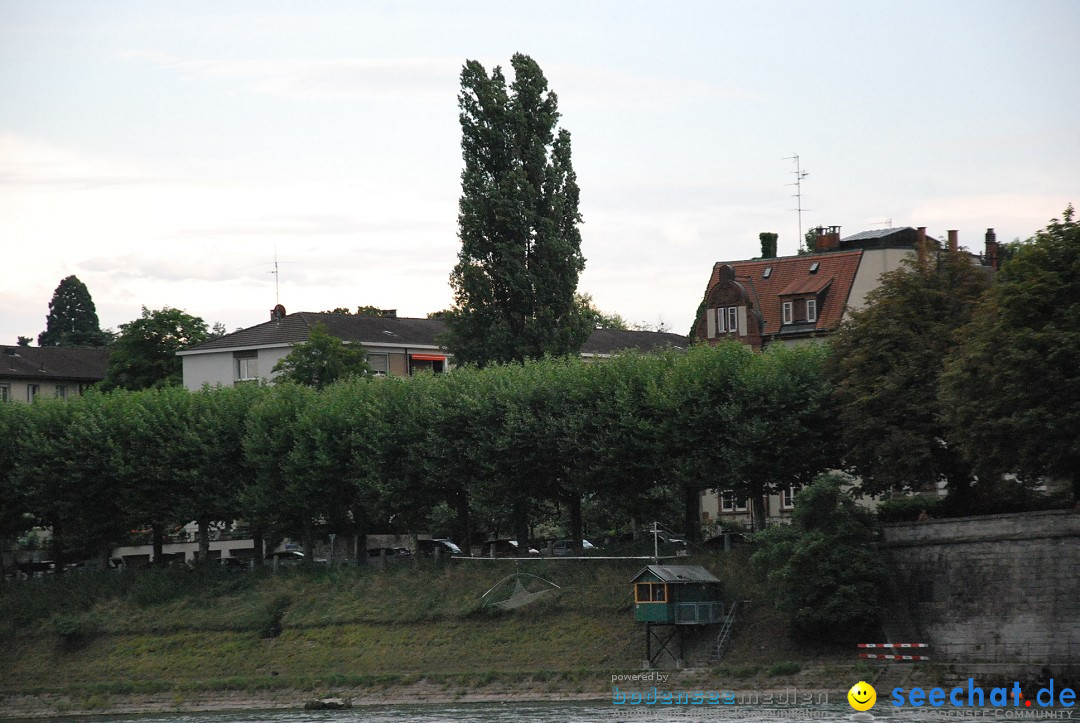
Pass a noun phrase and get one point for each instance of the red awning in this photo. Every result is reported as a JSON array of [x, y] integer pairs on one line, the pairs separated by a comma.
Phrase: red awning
[[428, 357]]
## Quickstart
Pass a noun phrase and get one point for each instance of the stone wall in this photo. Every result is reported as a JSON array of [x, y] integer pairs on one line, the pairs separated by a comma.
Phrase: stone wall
[[994, 589]]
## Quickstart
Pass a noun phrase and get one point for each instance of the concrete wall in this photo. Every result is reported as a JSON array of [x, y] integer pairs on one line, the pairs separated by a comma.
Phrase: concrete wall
[[994, 589], [872, 265]]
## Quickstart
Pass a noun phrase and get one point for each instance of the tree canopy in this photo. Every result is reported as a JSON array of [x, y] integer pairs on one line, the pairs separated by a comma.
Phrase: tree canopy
[[72, 319], [518, 219], [144, 354], [886, 362], [1011, 390], [322, 360]]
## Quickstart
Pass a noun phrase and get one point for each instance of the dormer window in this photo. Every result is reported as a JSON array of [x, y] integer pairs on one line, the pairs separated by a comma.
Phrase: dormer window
[[811, 309], [814, 267], [727, 319], [789, 312]]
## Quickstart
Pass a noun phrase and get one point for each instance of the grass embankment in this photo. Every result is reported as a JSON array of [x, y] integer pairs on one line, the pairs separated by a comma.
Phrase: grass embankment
[[189, 631]]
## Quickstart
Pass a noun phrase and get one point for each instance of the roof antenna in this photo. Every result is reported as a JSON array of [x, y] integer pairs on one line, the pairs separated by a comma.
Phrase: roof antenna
[[275, 272], [887, 223], [799, 176]]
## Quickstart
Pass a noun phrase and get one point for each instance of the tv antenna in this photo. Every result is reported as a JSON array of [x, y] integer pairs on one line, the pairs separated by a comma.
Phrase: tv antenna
[[277, 274], [800, 174], [887, 223]]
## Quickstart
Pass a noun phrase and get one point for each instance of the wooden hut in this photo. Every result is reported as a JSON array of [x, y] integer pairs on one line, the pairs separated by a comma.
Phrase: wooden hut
[[677, 595]]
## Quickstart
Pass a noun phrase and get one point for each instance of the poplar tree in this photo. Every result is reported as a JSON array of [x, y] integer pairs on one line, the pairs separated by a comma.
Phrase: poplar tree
[[518, 219]]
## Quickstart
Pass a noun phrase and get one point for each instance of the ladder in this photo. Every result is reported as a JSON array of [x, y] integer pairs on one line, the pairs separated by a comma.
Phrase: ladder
[[725, 634]]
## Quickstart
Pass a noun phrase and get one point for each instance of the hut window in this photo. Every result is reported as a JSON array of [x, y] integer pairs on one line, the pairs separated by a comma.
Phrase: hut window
[[650, 592]]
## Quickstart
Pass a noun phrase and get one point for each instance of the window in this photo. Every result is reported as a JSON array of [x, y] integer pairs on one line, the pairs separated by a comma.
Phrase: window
[[247, 365], [379, 363], [767, 272], [732, 503], [787, 499], [32, 391], [61, 391], [814, 267], [788, 313], [5, 392], [811, 309], [727, 319], [650, 592]]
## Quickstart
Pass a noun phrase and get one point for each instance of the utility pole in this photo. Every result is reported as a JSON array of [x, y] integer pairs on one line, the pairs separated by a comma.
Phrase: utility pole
[[799, 176]]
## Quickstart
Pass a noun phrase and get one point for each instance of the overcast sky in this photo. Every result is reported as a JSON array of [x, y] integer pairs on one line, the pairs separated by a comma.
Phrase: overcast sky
[[163, 151]]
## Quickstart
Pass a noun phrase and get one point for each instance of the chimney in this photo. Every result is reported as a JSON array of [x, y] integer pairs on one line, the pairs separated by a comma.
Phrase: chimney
[[920, 247], [388, 313], [828, 238], [954, 245], [277, 313], [991, 256]]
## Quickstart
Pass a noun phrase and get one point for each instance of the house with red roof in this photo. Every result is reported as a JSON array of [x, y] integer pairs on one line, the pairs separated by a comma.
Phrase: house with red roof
[[802, 299]]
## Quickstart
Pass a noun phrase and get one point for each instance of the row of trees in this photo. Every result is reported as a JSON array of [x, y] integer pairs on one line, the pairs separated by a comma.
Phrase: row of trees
[[490, 448]]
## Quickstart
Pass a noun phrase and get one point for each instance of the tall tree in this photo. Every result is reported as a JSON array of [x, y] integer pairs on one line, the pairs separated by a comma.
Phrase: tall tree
[[322, 360], [1011, 391], [144, 354], [518, 221], [72, 319], [886, 363]]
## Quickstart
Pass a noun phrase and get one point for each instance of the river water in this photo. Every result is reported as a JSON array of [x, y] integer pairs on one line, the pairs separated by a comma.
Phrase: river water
[[593, 712]]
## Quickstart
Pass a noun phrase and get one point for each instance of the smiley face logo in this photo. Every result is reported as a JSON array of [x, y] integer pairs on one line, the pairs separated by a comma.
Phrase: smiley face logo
[[862, 696]]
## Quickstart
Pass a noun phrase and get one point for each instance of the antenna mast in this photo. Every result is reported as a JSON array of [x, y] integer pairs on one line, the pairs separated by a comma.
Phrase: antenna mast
[[277, 295], [799, 176]]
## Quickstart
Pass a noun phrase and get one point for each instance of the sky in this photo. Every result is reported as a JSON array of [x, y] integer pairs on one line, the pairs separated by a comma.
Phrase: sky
[[167, 152]]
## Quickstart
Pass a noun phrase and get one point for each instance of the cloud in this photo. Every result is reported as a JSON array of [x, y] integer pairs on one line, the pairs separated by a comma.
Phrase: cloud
[[399, 79], [30, 165]]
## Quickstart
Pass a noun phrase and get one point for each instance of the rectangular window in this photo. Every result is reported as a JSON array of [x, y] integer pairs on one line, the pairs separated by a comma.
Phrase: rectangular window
[[650, 592], [731, 503], [32, 391], [733, 319], [5, 392], [61, 391], [721, 320], [788, 314], [727, 319], [379, 363], [811, 309], [787, 499], [247, 365]]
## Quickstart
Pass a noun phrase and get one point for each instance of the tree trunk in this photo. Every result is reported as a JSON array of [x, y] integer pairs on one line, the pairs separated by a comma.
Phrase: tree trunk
[[159, 544], [464, 523], [521, 526], [692, 510], [257, 543], [309, 544], [757, 501], [575, 520], [204, 539]]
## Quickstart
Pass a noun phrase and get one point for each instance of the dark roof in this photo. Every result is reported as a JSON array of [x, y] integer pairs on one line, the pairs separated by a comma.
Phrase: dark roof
[[678, 573], [903, 237], [607, 341], [53, 362], [296, 328], [791, 275], [376, 330]]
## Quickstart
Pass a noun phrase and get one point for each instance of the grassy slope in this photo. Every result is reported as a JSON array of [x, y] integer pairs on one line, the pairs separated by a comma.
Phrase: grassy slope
[[170, 630]]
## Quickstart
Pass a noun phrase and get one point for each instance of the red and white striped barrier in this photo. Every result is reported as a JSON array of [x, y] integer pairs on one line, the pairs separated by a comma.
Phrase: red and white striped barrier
[[894, 645], [894, 657]]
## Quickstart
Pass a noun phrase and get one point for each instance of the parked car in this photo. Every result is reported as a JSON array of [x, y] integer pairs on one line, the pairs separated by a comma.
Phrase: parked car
[[567, 548], [506, 548], [288, 558], [390, 553], [444, 548]]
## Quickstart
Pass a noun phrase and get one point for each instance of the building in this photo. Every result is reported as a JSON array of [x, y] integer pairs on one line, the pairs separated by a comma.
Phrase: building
[[30, 372], [800, 299], [396, 346]]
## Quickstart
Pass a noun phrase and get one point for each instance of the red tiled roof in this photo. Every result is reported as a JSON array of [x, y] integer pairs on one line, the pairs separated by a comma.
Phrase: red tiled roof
[[791, 275]]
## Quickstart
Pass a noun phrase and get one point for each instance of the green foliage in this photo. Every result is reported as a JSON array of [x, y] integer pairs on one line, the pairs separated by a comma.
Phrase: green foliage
[[144, 354], [72, 319], [768, 244], [1010, 389], [518, 219], [322, 360], [823, 569], [886, 363], [599, 319]]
